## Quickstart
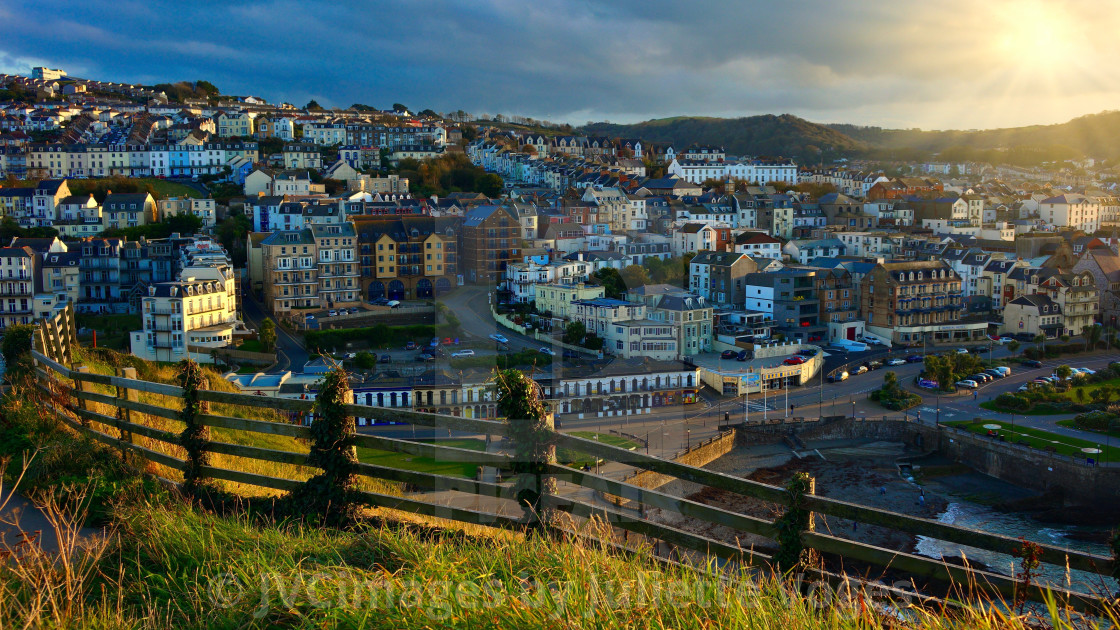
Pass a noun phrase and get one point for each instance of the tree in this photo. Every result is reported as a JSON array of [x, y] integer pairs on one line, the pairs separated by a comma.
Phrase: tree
[[313, 105], [1063, 372], [365, 360], [16, 343], [1040, 339], [397, 107], [1079, 394], [574, 332], [1013, 347], [470, 133], [611, 281], [206, 87], [635, 276], [890, 385], [267, 334], [1092, 334]]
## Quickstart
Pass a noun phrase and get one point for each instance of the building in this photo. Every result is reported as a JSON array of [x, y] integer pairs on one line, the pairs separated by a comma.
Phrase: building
[[1075, 292], [757, 245], [719, 276], [690, 314], [182, 319], [125, 210], [790, 297], [302, 155], [491, 239], [625, 329], [839, 304], [1071, 210], [290, 273], [1034, 315], [337, 255], [19, 273], [916, 302], [202, 208], [556, 300], [618, 386], [407, 257]]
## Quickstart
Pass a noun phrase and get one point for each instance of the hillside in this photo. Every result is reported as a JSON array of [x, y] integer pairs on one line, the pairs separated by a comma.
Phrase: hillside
[[784, 135]]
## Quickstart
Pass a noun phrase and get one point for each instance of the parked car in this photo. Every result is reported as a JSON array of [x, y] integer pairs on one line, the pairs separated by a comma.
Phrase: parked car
[[549, 351], [897, 361], [350, 355], [332, 313], [981, 378], [434, 342], [871, 340], [807, 352], [499, 338], [794, 361], [1033, 363], [994, 373], [1026, 387], [411, 345], [309, 317], [385, 358], [392, 303], [1006, 339], [462, 353], [967, 384], [728, 354], [842, 376], [742, 356], [571, 354], [962, 350], [861, 369], [915, 358], [875, 365], [424, 356], [1002, 369], [1088, 371]]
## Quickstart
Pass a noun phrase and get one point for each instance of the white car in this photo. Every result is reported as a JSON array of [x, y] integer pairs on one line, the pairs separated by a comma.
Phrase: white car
[[1005, 339], [1087, 371], [499, 338], [462, 353], [871, 341], [969, 384], [962, 350], [332, 313], [897, 361], [549, 351]]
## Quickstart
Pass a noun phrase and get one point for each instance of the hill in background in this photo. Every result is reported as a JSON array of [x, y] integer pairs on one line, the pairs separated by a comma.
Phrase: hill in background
[[1094, 135]]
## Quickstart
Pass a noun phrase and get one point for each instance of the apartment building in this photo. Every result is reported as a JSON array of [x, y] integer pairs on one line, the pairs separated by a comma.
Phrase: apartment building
[[125, 210], [557, 299], [719, 276], [182, 319], [407, 257], [290, 272], [625, 329], [19, 271], [337, 255], [690, 314], [915, 302], [491, 239]]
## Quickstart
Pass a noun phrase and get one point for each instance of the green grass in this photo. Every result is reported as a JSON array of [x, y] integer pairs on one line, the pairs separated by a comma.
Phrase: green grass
[[607, 438], [416, 463], [991, 405], [1039, 439], [172, 189], [1071, 424], [251, 345], [1090, 388]]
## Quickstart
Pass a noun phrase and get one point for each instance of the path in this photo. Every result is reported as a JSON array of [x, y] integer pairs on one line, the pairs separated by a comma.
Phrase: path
[[21, 520]]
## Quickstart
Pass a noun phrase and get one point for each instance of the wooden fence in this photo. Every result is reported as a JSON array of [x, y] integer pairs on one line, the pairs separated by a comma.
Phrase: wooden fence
[[73, 394]]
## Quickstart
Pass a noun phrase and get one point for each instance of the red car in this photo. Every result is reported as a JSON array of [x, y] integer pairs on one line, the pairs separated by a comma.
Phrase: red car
[[794, 361]]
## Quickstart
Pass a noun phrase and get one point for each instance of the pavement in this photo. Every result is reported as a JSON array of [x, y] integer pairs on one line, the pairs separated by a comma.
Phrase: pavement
[[22, 522]]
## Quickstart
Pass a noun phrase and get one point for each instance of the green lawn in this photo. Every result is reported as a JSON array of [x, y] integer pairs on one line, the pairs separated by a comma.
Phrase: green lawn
[[1041, 439], [404, 461], [172, 189], [251, 345], [1112, 382], [607, 438], [1070, 424]]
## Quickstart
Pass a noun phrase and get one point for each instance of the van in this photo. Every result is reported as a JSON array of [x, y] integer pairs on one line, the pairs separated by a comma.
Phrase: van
[[1003, 369]]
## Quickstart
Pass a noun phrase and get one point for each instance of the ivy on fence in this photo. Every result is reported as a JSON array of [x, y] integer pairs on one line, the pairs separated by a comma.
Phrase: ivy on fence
[[792, 554], [530, 430], [331, 495], [195, 436]]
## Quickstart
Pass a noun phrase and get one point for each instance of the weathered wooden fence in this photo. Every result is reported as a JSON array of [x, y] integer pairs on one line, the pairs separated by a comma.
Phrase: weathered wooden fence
[[72, 393]]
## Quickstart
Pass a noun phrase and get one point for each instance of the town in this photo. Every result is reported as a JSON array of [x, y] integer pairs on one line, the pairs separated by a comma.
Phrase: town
[[888, 325]]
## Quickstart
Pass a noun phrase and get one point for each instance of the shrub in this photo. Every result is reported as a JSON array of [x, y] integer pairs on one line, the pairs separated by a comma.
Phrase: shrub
[[1096, 420]]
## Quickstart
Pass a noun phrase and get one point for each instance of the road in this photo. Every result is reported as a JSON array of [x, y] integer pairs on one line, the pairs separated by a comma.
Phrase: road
[[290, 353], [470, 304]]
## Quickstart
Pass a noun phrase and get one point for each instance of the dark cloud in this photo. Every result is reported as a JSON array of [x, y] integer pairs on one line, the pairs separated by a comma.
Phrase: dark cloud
[[952, 63]]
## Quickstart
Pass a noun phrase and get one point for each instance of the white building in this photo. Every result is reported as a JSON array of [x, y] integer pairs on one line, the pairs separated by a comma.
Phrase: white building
[[1071, 210], [182, 319]]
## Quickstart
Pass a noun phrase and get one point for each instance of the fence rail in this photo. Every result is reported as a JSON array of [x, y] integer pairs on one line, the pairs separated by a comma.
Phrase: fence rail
[[69, 392]]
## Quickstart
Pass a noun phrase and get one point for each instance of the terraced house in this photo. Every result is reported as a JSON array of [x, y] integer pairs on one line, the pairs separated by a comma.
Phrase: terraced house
[[125, 210]]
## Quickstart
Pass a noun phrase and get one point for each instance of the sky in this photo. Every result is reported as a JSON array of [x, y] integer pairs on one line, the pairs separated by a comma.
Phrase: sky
[[941, 64]]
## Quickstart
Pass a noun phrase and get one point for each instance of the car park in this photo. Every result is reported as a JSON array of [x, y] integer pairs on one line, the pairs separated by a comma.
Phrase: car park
[[915, 358], [499, 338], [462, 353], [794, 361], [967, 384], [897, 361], [1033, 363], [549, 351], [728, 354]]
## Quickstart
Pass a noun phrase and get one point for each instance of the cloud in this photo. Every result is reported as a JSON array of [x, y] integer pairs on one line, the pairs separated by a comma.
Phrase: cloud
[[948, 64]]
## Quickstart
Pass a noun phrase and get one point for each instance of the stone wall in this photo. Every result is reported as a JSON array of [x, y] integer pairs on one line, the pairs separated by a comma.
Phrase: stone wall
[[699, 456]]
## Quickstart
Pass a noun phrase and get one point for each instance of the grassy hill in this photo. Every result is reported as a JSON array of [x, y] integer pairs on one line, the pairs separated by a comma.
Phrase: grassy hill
[[1095, 135], [783, 135]]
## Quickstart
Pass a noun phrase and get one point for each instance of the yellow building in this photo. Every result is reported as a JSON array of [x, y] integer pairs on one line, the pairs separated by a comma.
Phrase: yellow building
[[557, 298]]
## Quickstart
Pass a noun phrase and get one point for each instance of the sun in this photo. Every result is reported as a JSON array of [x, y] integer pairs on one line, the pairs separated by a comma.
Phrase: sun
[[1038, 38]]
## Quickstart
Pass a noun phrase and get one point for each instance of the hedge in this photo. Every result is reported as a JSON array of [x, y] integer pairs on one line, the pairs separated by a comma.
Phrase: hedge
[[373, 337]]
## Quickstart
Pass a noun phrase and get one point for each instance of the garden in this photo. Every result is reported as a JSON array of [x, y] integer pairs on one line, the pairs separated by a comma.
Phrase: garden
[[1082, 393], [892, 396]]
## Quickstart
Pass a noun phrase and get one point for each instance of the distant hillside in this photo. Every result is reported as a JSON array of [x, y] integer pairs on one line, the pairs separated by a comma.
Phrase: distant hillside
[[1094, 135], [784, 135]]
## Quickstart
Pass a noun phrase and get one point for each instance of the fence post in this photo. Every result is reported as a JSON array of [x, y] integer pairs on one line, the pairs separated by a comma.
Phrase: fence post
[[792, 554], [83, 386], [531, 427], [330, 495], [195, 437], [124, 414]]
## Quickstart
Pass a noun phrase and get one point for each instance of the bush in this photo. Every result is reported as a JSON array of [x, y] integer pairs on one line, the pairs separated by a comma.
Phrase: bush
[[16, 342], [1096, 420], [373, 336]]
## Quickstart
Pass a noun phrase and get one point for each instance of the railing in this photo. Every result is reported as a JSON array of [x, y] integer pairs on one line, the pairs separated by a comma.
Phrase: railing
[[108, 409]]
